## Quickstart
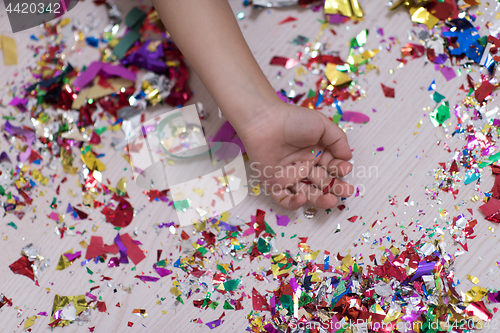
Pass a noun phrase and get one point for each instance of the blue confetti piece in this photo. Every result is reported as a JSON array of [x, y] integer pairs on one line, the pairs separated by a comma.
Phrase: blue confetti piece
[[320, 98], [432, 86], [337, 105], [92, 41], [177, 263]]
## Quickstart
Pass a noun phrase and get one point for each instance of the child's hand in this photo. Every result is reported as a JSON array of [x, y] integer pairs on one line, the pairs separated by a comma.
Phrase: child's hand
[[297, 152], [294, 148]]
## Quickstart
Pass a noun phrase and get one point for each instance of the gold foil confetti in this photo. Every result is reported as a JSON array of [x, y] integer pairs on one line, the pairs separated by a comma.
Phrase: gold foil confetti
[[29, 322], [39, 177], [8, 45], [475, 294], [122, 186], [60, 302], [421, 15], [336, 77], [349, 8], [64, 262], [92, 162], [472, 279]]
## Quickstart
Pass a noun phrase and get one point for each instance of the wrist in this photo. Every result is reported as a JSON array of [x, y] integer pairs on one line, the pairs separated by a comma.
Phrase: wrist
[[250, 111]]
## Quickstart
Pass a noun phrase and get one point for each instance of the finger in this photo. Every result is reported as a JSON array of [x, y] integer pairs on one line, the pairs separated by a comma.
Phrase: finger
[[315, 196], [339, 168], [341, 189], [335, 139], [320, 178], [288, 200], [336, 167]]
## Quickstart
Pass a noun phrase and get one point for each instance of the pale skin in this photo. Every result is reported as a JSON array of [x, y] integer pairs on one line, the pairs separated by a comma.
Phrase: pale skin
[[299, 149]]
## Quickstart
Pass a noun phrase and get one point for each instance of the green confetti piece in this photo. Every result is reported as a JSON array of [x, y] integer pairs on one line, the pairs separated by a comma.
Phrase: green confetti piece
[[227, 306], [100, 130], [440, 114], [222, 269], [231, 285], [305, 299], [182, 205], [494, 157], [91, 281], [287, 302], [89, 271], [311, 93], [263, 246], [437, 97], [133, 268], [202, 250], [86, 149], [269, 230], [179, 298], [161, 263], [2, 191], [213, 305], [118, 228], [293, 236], [336, 118], [360, 39], [207, 298], [13, 225]]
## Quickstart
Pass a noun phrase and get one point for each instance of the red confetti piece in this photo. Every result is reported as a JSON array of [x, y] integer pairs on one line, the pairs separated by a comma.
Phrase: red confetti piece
[[121, 216], [285, 62], [133, 251], [101, 306], [388, 92], [491, 210], [352, 218], [288, 19], [23, 267], [259, 302]]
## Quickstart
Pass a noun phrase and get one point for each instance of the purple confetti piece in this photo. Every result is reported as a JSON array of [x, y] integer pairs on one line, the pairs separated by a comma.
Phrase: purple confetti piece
[[269, 328], [282, 220], [114, 262], [448, 73], [227, 227], [145, 278], [73, 256], [424, 268], [214, 324], [162, 272], [122, 248], [93, 297]]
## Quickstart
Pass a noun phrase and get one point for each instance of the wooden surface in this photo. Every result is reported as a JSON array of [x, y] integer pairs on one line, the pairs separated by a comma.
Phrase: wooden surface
[[398, 171]]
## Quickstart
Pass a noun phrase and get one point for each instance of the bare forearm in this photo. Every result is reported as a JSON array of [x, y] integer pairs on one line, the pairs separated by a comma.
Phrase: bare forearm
[[208, 35]]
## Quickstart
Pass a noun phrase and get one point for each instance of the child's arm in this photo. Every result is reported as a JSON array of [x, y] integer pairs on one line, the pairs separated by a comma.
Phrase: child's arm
[[278, 137]]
